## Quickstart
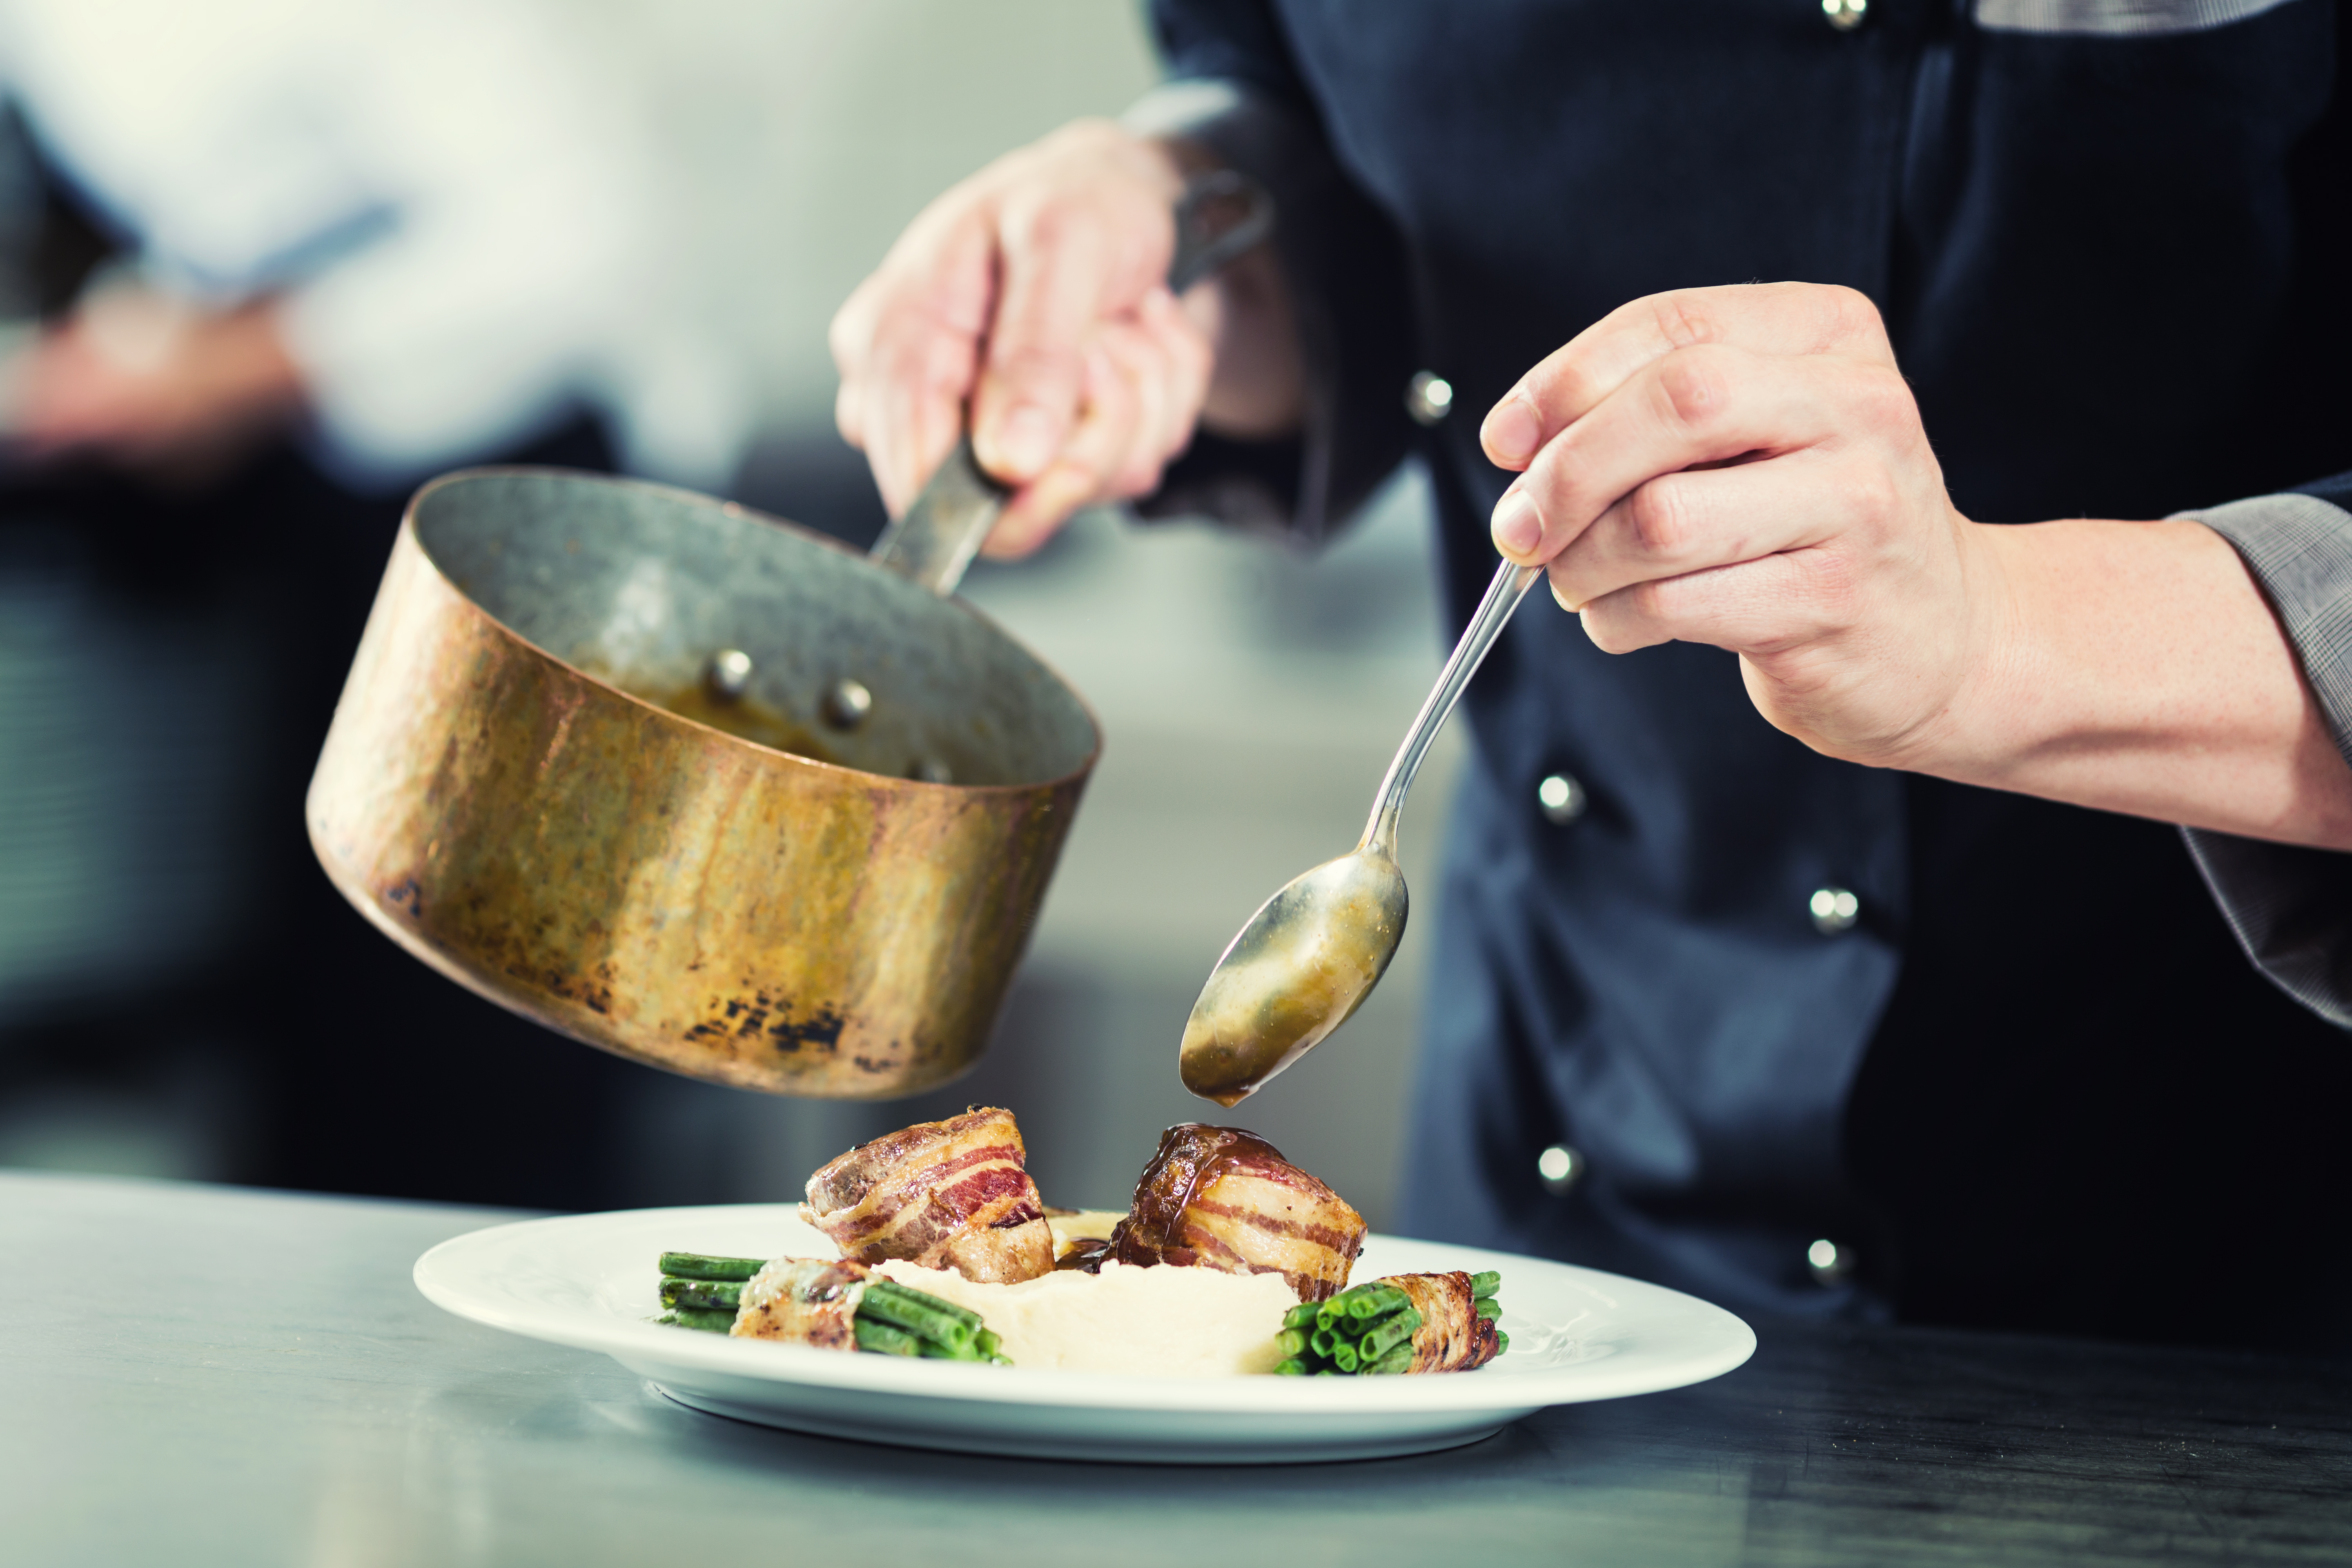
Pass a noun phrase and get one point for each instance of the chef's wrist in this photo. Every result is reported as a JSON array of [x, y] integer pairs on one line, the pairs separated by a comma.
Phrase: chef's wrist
[[2007, 702], [2135, 667], [1258, 390]]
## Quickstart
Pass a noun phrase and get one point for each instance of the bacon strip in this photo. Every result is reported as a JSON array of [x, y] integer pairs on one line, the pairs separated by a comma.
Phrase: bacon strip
[[946, 1194], [1218, 1198], [807, 1300], [1453, 1336]]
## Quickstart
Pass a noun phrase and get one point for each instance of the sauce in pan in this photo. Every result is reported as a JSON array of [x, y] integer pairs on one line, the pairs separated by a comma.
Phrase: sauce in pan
[[745, 718]]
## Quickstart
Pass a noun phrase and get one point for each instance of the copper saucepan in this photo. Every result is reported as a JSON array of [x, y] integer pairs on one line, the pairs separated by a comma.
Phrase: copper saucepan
[[704, 788], [511, 793]]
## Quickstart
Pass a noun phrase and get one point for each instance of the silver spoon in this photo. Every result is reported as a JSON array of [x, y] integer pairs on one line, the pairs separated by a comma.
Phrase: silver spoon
[[1314, 950]]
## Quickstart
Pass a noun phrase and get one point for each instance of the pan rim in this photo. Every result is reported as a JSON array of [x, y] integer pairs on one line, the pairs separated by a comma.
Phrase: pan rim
[[700, 499]]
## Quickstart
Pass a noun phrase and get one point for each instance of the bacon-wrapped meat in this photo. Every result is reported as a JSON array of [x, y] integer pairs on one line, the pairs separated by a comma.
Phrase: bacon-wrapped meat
[[807, 1300], [946, 1194], [1218, 1198], [1453, 1336]]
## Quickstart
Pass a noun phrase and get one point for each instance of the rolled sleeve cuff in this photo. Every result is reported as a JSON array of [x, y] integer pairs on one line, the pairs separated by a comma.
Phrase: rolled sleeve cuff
[[2292, 907]]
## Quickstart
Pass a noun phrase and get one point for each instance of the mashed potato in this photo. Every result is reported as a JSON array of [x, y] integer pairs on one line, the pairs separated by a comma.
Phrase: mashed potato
[[1161, 1321]]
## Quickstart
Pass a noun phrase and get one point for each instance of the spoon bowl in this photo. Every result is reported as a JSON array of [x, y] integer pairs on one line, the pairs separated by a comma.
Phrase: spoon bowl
[[1304, 964], [1310, 955]]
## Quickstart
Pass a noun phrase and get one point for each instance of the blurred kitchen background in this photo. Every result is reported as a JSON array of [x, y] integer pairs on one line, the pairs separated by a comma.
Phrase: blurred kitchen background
[[180, 993]]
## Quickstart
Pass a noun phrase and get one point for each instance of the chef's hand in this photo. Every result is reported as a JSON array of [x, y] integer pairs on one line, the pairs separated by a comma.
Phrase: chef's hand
[[1037, 290], [1745, 466]]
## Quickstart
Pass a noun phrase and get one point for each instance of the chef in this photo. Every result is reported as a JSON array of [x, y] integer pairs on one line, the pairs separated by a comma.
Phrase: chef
[[1815, 936]]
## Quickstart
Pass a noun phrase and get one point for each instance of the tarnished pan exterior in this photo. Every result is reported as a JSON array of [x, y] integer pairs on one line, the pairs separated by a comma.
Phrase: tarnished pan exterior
[[652, 885]]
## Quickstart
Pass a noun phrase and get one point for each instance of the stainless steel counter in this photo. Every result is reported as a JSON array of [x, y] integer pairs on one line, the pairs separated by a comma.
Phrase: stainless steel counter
[[193, 1376]]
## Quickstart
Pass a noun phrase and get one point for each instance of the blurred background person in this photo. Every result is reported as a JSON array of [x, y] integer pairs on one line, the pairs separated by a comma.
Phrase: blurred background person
[[273, 261]]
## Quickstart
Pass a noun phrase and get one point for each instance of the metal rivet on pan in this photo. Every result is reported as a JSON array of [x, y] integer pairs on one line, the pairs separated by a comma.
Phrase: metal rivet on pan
[[847, 704], [729, 674]]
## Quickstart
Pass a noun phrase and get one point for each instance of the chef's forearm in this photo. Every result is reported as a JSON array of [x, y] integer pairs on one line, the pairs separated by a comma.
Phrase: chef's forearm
[[2139, 668]]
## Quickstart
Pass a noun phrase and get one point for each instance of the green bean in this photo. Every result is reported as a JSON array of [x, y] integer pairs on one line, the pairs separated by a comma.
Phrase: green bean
[[1302, 1316], [1343, 1356], [964, 1315], [1485, 1284], [1387, 1334], [1502, 1341], [1396, 1361], [696, 1318], [1487, 1307], [881, 1338], [695, 1265], [706, 1295], [918, 1313], [1291, 1367]]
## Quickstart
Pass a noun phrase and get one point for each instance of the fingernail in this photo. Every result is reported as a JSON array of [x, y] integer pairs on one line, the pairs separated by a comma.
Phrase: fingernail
[[1025, 439], [1512, 432], [1517, 526]]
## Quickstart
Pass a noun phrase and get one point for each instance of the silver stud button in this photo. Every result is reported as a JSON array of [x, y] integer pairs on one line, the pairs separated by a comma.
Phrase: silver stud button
[[1561, 797], [1560, 1167], [1428, 398], [1845, 15], [1827, 1262], [1833, 909]]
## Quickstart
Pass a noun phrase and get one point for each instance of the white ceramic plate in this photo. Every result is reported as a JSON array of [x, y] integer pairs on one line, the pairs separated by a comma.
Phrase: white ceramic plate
[[590, 1281]]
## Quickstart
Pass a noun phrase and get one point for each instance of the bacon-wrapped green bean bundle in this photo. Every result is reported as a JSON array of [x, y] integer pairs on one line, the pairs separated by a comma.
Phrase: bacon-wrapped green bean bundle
[[1405, 1323], [832, 1304]]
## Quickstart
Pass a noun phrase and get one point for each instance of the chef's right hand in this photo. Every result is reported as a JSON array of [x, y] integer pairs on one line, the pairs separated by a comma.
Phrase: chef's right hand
[[1037, 291]]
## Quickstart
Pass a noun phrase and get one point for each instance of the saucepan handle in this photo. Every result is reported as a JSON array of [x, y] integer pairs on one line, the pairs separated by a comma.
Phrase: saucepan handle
[[1220, 216]]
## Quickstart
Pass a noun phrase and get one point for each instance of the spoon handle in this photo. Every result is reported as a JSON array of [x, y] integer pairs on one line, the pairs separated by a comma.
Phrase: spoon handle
[[1510, 585]]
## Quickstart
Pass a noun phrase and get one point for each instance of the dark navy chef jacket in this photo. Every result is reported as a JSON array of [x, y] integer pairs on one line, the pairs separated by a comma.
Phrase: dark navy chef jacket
[[2031, 1082]]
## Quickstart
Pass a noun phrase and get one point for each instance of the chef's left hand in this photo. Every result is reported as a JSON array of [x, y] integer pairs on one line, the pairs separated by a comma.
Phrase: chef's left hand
[[1745, 467]]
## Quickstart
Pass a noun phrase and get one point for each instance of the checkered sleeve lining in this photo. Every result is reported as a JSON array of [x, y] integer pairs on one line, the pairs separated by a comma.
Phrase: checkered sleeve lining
[[2291, 907]]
